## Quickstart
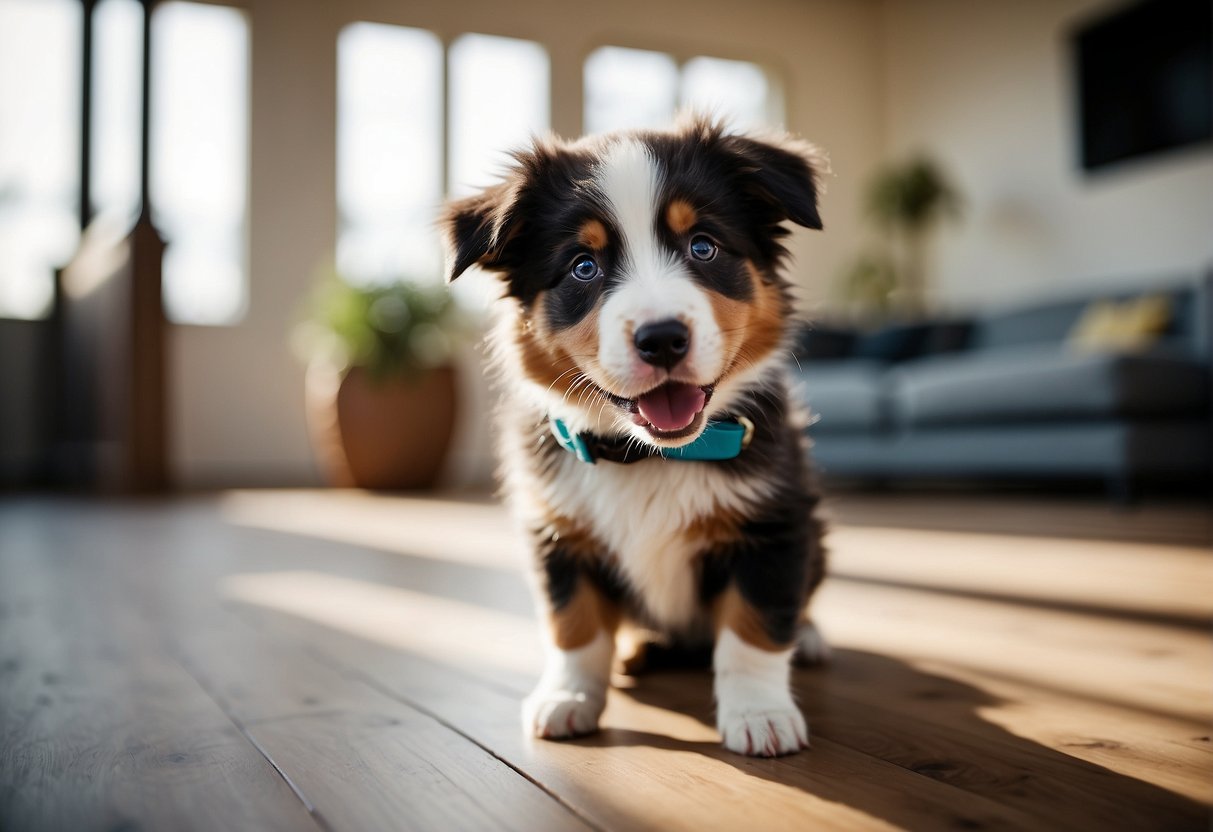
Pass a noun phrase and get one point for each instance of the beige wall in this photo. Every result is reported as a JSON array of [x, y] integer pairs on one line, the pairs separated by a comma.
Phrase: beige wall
[[984, 86], [237, 391]]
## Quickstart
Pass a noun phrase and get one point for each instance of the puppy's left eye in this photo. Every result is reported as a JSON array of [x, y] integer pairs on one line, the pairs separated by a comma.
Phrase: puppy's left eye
[[585, 268], [702, 248]]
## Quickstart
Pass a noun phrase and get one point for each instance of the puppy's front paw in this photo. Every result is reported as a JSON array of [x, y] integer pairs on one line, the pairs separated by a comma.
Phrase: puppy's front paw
[[559, 714], [754, 708], [764, 733]]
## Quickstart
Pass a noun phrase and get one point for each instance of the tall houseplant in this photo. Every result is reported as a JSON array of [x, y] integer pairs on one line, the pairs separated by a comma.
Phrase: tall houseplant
[[381, 385], [906, 201]]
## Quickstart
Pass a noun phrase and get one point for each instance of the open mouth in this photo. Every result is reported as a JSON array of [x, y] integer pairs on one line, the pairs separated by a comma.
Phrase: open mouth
[[669, 411]]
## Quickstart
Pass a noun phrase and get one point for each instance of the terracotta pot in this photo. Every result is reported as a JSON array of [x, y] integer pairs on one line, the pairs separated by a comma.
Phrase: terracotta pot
[[392, 434]]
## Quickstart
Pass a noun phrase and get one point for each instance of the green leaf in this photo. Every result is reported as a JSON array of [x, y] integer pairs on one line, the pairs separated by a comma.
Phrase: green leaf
[[401, 328]]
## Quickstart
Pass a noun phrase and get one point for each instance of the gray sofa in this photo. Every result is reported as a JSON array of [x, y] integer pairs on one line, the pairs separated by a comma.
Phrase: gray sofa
[[1004, 395]]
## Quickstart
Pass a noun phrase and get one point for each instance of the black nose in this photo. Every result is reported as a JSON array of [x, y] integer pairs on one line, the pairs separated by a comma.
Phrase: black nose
[[663, 343]]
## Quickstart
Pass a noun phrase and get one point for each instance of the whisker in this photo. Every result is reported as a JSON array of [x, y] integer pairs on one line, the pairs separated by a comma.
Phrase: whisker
[[556, 380]]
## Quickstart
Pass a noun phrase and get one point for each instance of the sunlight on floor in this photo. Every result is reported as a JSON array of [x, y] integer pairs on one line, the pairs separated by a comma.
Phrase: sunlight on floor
[[625, 712], [1044, 650], [1139, 577], [653, 759], [1096, 644], [436, 628], [447, 529]]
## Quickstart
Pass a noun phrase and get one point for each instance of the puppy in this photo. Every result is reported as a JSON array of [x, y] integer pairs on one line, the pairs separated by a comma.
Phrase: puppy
[[649, 443]]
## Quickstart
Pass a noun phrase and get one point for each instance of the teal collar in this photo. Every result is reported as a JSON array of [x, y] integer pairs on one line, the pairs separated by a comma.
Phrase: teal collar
[[721, 440]]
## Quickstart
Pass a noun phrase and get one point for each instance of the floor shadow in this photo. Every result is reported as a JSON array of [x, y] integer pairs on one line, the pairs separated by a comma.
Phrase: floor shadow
[[931, 726]]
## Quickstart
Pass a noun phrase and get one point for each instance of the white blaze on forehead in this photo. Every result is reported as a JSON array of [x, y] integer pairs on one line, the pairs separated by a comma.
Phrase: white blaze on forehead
[[630, 181], [654, 283]]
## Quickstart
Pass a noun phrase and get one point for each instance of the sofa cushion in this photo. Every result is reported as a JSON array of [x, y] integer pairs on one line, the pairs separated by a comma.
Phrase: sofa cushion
[[1045, 382], [819, 342], [1099, 448], [893, 343], [1046, 323], [1054, 321], [1121, 326], [845, 395], [948, 335]]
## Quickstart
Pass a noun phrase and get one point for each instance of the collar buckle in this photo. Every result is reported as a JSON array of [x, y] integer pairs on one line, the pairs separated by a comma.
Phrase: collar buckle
[[748, 436]]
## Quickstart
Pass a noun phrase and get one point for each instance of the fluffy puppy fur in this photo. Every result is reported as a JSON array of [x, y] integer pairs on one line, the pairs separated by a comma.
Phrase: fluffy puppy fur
[[643, 300]]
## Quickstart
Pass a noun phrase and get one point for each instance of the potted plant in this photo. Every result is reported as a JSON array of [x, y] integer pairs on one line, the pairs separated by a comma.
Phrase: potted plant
[[381, 394], [906, 201]]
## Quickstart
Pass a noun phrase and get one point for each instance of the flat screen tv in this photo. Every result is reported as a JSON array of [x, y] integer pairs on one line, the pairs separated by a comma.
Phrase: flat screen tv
[[1145, 80]]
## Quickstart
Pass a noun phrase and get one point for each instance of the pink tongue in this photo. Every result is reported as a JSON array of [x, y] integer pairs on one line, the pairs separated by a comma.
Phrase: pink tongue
[[671, 406]]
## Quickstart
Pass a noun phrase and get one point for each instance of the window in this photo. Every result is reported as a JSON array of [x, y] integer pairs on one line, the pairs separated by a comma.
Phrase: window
[[199, 146], [199, 159], [389, 151], [737, 91], [117, 69], [629, 88], [39, 149], [488, 117], [392, 145], [636, 88]]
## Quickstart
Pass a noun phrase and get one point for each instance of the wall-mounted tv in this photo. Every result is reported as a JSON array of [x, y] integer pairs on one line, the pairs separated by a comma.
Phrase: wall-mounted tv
[[1144, 80]]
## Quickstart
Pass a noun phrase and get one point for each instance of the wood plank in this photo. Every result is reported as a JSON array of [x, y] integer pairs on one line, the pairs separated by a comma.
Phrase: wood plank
[[1020, 632], [460, 528], [940, 710], [364, 759], [1168, 582], [99, 728], [653, 769], [958, 746], [957, 743], [1175, 755], [1186, 522], [1150, 668], [1143, 669]]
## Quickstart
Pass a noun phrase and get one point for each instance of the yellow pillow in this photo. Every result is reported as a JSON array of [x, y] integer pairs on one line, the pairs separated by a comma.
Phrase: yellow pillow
[[1121, 326]]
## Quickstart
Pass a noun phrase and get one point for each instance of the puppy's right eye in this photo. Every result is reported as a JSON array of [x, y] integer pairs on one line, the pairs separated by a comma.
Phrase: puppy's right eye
[[702, 248], [585, 268]]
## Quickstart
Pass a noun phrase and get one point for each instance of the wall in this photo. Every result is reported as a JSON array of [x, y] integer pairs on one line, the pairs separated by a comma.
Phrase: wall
[[985, 87], [238, 392]]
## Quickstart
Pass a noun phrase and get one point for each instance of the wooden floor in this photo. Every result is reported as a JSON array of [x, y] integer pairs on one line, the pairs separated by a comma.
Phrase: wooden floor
[[328, 661]]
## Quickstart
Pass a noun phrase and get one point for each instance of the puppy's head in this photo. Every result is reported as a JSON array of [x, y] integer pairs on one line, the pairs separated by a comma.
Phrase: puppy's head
[[644, 268]]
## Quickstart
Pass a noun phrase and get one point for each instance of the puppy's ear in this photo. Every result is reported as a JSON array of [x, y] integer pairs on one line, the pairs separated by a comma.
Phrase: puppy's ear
[[783, 174], [478, 229]]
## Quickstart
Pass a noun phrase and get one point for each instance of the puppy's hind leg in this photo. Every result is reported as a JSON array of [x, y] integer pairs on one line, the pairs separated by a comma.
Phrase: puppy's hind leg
[[571, 694], [811, 647]]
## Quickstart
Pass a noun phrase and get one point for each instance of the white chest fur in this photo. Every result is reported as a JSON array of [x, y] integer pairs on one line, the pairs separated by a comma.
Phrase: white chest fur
[[642, 513]]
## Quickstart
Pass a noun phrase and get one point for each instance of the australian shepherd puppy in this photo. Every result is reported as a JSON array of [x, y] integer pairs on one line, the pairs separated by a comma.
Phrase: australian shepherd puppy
[[650, 444]]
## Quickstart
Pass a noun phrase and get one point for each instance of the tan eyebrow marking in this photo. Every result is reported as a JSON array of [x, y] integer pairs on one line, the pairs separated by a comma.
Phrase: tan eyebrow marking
[[593, 234], [681, 216]]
